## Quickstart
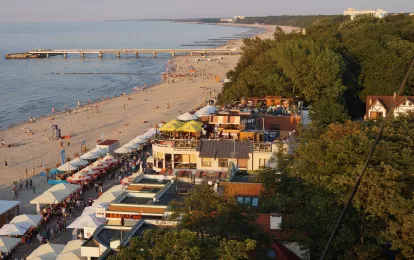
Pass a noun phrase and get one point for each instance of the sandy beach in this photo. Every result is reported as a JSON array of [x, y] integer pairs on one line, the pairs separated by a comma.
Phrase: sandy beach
[[121, 118]]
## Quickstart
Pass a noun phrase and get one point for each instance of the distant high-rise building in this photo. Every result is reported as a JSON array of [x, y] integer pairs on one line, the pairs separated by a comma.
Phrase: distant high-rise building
[[379, 13]]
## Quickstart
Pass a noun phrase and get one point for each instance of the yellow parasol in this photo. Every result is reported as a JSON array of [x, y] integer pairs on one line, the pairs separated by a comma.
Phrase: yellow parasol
[[171, 126], [191, 127]]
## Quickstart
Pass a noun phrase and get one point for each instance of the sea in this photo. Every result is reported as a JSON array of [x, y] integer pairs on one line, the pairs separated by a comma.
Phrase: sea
[[31, 87]]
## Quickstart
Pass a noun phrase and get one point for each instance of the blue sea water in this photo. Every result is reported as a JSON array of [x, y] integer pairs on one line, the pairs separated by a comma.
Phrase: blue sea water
[[32, 87]]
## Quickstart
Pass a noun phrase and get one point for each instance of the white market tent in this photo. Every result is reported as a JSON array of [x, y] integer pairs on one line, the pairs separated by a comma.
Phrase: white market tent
[[110, 195], [123, 149], [27, 220], [186, 117], [205, 111], [87, 221], [55, 194], [67, 167], [8, 243], [46, 252], [13, 230], [6, 205], [94, 153], [137, 140], [72, 251], [79, 162], [90, 155], [131, 145]]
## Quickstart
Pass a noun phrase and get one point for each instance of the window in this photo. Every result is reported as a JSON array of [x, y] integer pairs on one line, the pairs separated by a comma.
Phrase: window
[[255, 202], [206, 162], [240, 200], [247, 200], [274, 127], [262, 163], [223, 162], [242, 163]]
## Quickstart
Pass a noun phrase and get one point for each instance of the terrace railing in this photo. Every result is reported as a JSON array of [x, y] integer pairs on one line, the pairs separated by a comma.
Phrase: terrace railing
[[181, 144], [262, 147]]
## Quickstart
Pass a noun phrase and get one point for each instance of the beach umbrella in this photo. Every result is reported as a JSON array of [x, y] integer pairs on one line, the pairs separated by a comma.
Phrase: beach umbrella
[[27, 220], [89, 171], [109, 159], [186, 117], [78, 178], [8, 243], [46, 252], [67, 167], [79, 162], [205, 111], [191, 127], [122, 150], [171, 126]]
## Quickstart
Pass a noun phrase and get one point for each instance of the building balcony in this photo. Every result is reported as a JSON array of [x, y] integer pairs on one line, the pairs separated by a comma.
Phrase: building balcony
[[262, 147], [181, 144]]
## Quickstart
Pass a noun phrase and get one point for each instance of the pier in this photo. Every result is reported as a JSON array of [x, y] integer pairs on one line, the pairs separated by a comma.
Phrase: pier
[[118, 52]]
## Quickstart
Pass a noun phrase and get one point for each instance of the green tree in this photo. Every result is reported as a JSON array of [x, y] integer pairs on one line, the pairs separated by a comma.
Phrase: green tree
[[327, 111], [318, 179]]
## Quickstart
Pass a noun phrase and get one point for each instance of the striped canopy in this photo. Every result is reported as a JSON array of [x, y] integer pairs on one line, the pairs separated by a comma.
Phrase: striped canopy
[[171, 126], [191, 127]]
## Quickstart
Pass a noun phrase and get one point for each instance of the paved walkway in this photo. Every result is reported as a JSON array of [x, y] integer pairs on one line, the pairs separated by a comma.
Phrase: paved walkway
[[64, 236]]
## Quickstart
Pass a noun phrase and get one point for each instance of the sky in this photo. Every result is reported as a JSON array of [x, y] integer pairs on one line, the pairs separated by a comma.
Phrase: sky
[[27, 11]]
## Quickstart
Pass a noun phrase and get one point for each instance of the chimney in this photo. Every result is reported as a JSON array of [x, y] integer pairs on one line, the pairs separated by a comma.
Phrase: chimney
[[395, 94], [370, 101]]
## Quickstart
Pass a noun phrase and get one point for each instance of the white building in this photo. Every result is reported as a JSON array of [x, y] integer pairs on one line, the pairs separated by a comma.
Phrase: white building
[[379, 13], [239, 17], [380, 106], [227, 20]]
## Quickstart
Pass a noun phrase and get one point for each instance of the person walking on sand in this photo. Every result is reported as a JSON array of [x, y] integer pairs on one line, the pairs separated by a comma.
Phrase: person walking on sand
[[30, 183], [34, 189], [5, 163], [53, 110], [13, 194], [2, 142], [34, 171]]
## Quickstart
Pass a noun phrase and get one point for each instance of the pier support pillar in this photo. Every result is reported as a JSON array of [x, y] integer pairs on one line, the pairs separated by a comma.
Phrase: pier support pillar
[[155, 54], [173, 54], [100, 55], [229, 53], [118, 54], [191, 53], [65, 55], [47, 55], [137, 54], [82, 55]]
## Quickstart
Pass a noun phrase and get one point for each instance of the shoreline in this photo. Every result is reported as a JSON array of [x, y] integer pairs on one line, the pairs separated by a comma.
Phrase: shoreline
[[121, 118]]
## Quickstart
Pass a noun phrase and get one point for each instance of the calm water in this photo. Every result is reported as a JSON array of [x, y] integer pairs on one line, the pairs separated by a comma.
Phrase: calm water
[[32, 87]]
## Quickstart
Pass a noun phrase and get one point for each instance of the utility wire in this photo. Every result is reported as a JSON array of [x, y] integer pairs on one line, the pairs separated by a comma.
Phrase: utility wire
[[367, 161]]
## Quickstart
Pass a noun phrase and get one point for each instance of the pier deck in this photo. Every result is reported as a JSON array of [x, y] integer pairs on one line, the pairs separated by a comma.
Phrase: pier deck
[[117, 52]]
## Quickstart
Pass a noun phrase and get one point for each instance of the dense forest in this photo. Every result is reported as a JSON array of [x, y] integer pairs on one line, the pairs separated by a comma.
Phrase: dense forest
[[302, 21], [337, 63]]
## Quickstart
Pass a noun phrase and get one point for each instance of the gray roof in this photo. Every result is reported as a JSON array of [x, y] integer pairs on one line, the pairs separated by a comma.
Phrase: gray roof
[[224, 149]]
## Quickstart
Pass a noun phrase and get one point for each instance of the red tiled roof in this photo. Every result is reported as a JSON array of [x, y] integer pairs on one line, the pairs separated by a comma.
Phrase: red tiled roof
[[386, 101], [277, 234], [108, 142], [242, 189]]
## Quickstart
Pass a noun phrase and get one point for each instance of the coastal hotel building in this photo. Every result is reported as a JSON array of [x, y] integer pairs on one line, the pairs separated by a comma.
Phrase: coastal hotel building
[[236, 137]]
